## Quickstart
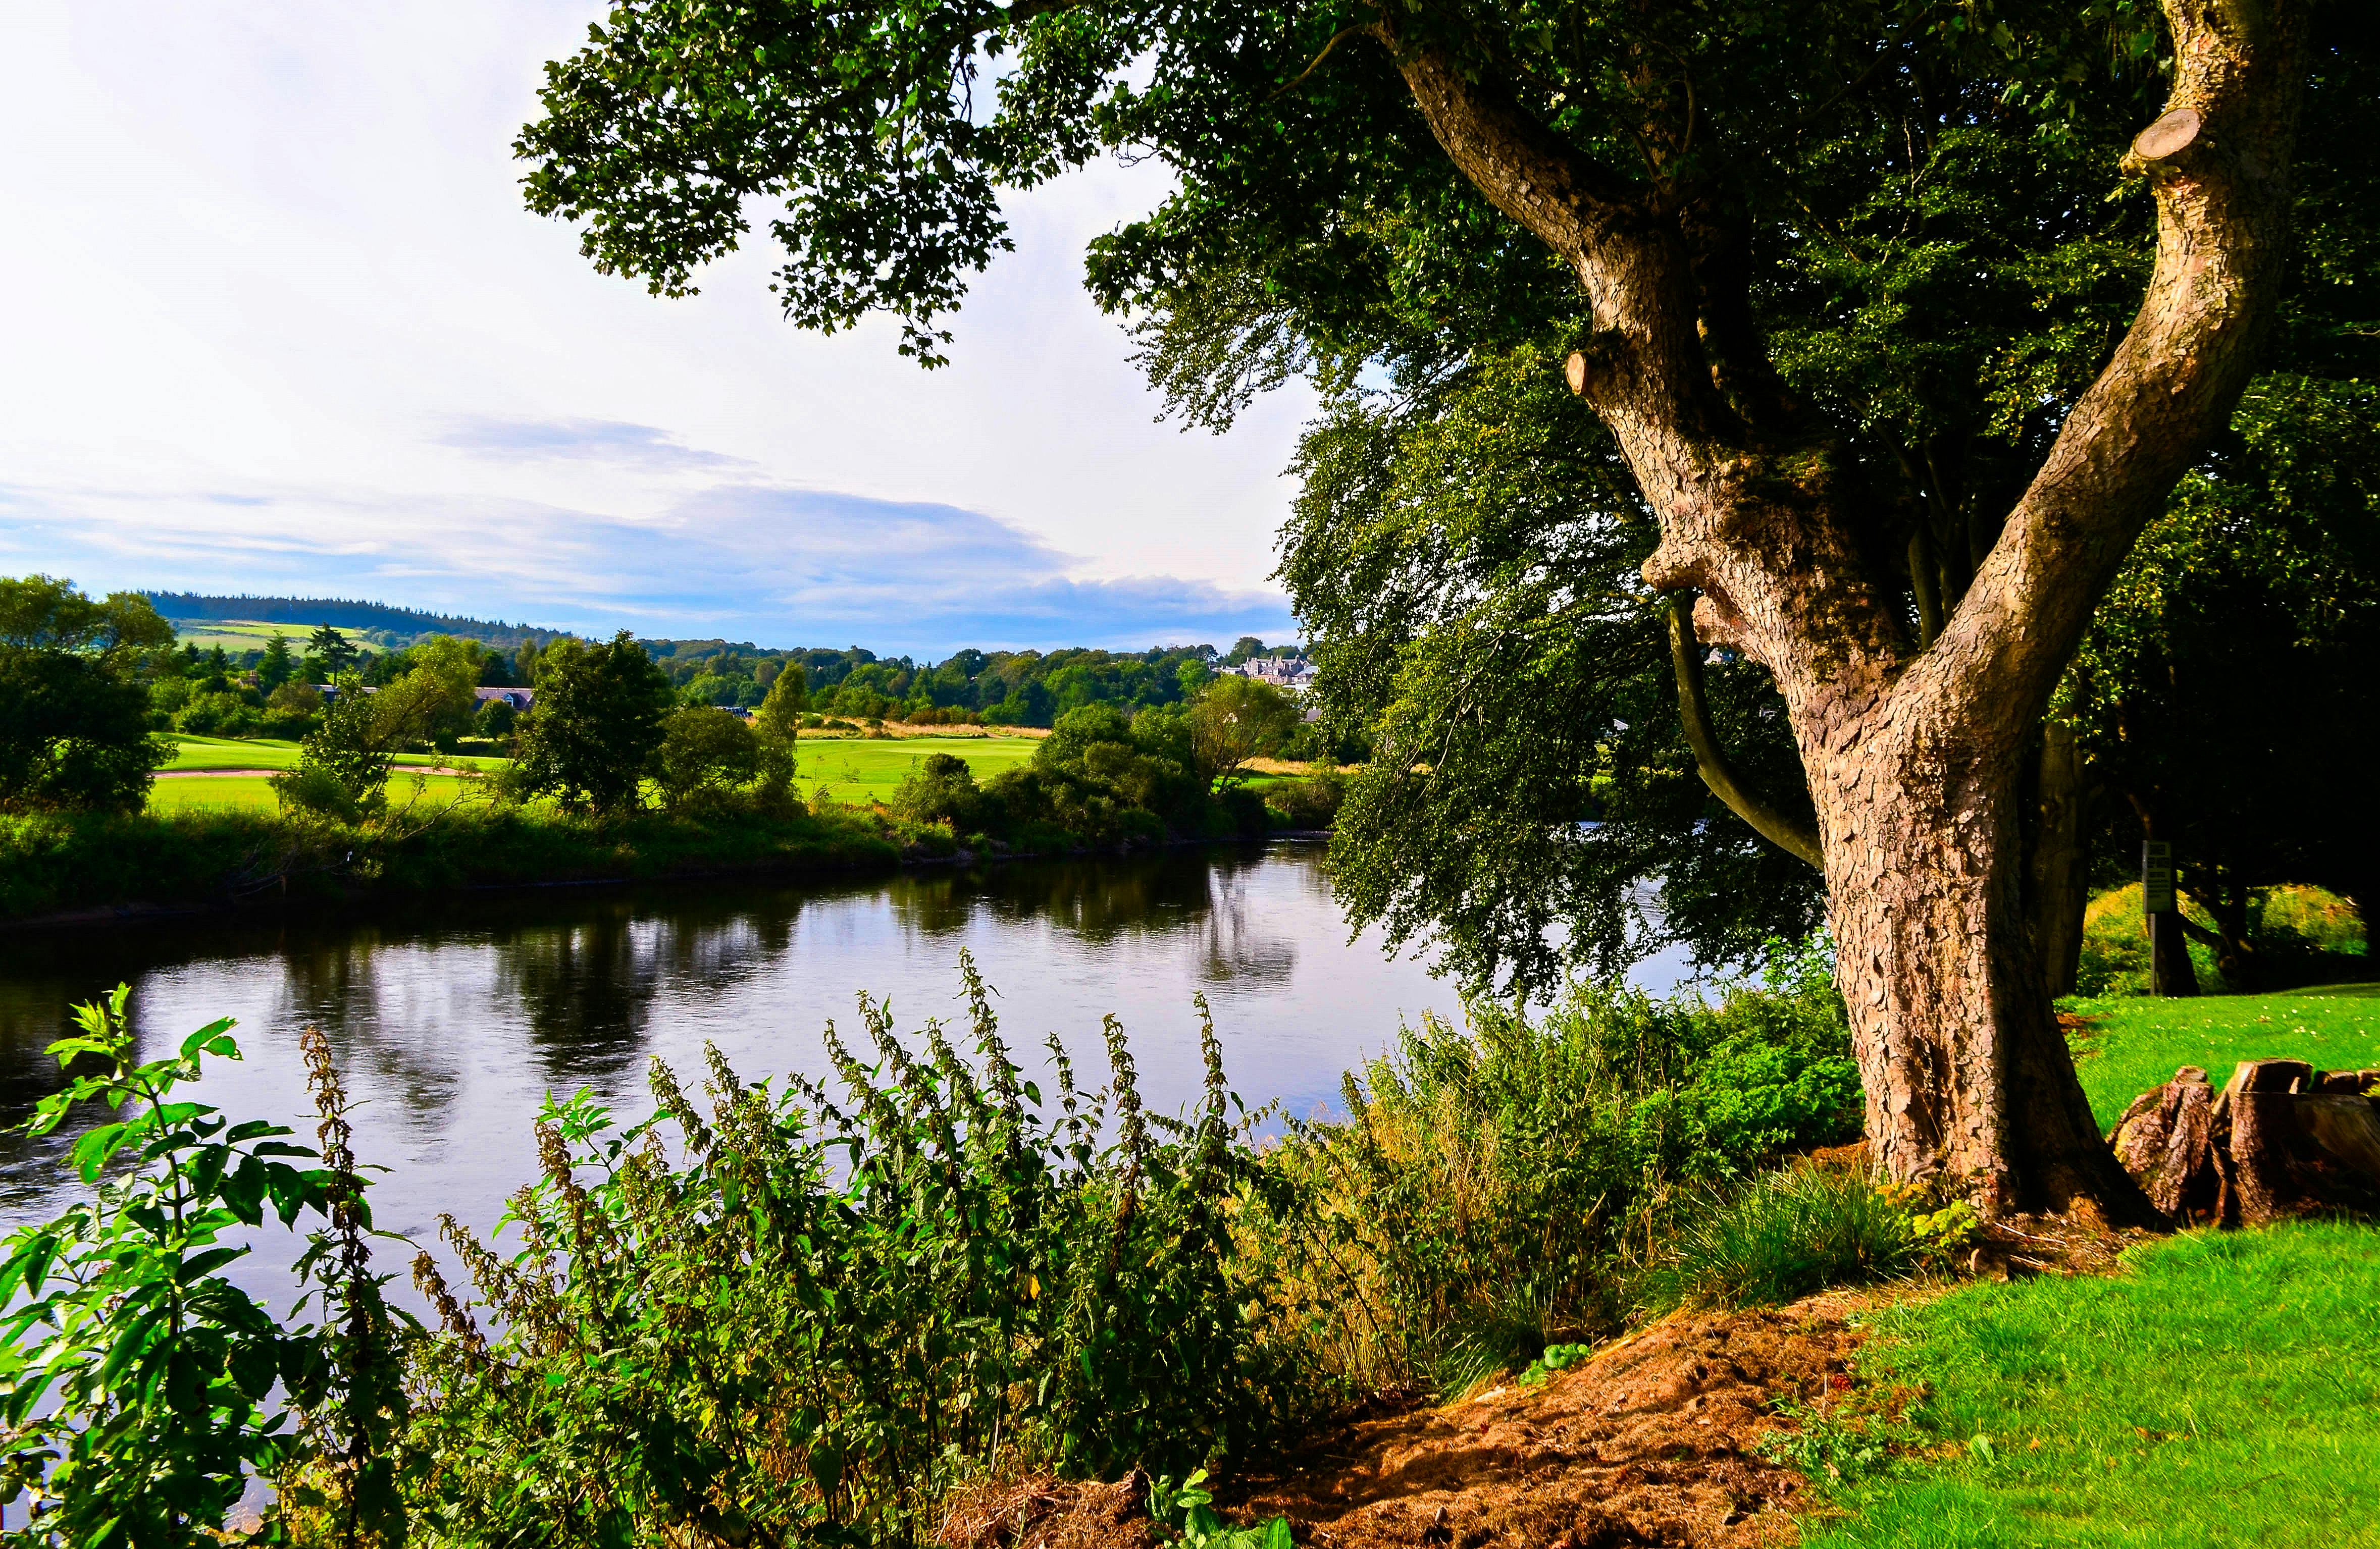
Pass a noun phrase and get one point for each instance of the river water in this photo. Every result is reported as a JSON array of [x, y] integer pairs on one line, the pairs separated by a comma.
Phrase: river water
[[453, 1021]]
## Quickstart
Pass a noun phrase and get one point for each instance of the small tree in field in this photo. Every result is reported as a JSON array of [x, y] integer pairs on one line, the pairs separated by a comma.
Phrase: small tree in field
[[590, 739], [1235, 720], [705, 753], [343, 764], [776, 726]]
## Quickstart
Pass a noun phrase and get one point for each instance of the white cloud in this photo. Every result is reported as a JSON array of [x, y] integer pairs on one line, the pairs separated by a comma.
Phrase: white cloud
[[276, 313], [756, 562]]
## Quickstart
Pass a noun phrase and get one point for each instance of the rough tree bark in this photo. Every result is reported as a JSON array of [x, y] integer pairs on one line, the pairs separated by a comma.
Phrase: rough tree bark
[[1915, 743], [2059, 882]]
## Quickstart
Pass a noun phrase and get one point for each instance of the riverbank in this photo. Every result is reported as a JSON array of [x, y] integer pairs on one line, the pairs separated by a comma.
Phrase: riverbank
[[66, 871], [99, 867]]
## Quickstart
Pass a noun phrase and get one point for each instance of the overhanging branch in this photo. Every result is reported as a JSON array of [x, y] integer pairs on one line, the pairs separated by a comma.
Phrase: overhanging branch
[[1787, 833]]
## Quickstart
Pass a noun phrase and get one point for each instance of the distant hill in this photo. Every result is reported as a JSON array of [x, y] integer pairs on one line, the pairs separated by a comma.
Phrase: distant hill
[[392, 627]]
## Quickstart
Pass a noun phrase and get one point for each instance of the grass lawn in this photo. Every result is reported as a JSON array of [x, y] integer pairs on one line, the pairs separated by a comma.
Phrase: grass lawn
[[271, 753], [2136, 1044], [857, 769], [2224, 1389], [235, 636], [254, 793]]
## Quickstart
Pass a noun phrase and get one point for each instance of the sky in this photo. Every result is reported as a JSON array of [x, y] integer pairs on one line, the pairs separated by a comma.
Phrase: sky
[[276, 321]]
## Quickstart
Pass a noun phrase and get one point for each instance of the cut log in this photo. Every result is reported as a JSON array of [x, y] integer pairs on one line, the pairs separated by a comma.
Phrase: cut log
[[2345, 1127], [2281, 1139]]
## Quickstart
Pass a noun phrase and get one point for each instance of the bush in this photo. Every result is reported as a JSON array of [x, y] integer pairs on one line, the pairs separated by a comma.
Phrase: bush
[[799, 1321], [219, 714], [1310, 803], [1494, 1187], [944, 790], [341, 771], [705, 753], [1786, 1235]]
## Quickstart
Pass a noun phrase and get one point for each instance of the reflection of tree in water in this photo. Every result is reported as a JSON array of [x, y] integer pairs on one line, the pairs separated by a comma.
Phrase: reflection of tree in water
[[1198, 897], [587, 989]]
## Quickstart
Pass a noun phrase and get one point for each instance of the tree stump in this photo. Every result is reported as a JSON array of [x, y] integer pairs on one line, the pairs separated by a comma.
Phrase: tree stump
[[2280, 1139]]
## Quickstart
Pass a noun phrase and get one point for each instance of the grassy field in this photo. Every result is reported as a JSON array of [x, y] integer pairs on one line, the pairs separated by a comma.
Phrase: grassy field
[[2224, 1389], [2136, 1044], [270, 753], [855, 769], [852, 769], [254, 793], [241, 635]]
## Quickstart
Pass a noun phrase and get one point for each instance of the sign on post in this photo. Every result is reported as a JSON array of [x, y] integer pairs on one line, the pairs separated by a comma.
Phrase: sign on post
[[2157, 877]]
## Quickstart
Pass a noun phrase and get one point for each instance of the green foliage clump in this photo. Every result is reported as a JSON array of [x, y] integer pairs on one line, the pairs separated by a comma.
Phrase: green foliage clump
[[1189, 1508], [343, 764], [1099, 780], [803, 1318], [705, 754], [806, 1318], [74, 712], [596, 725], [1497, 1187], [1311, 802], [1787, 1234], [140, 1389]]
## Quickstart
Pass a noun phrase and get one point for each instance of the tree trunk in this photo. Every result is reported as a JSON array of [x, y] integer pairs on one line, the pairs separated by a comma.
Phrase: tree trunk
[[1966, 1073], [2170, 971], [1911, 746], [2060, 879]]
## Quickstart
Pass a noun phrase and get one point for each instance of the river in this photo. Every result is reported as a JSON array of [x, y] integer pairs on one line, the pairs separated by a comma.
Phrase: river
[[451, 1021]]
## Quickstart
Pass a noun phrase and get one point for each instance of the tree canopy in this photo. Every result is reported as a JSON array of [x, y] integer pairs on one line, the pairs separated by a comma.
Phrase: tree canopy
[[1902, 317], [74, 706]]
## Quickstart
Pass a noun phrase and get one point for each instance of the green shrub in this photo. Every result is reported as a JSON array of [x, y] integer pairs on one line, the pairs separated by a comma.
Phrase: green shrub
[[1310, 803], [1495, 1187], [141, 1389], [799, 1320], [944, 790], [1787, 1234], [809, 1315]]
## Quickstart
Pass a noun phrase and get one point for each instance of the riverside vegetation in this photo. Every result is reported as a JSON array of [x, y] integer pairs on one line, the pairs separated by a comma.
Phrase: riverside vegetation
[[612, 778], [789, 1314]]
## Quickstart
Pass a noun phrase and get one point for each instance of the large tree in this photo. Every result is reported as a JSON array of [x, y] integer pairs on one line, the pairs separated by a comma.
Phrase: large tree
[[1656, 157]]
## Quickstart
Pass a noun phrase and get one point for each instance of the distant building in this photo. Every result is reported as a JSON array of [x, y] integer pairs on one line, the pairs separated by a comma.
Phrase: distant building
[[518, 698], [1281, 672]]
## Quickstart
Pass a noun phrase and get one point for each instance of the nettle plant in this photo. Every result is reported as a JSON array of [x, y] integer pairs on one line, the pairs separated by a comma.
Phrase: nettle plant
[[807, 1318], [142, 1391], [801, 1321]]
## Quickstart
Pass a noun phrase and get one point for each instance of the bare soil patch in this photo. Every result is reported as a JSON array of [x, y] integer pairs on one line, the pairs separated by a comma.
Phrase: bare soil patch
[[1650, 1442]]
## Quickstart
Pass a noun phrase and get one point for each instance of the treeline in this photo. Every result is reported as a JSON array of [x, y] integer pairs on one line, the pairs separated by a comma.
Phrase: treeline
[[996, 688], [400, 626]]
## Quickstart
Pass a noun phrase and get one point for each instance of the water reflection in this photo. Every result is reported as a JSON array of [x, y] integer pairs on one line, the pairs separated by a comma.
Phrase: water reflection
[[454, 1021]]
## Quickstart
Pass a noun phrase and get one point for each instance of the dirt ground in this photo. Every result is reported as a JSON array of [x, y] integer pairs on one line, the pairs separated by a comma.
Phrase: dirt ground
[[1647, 1443]]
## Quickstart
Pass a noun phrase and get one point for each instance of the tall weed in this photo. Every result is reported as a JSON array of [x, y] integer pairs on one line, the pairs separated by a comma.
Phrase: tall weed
[[810, 1314], [1497, 1186]]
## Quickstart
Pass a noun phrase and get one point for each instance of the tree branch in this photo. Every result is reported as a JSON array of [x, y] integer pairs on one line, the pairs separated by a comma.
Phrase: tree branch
[[2217, 160], [1694, 708]]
